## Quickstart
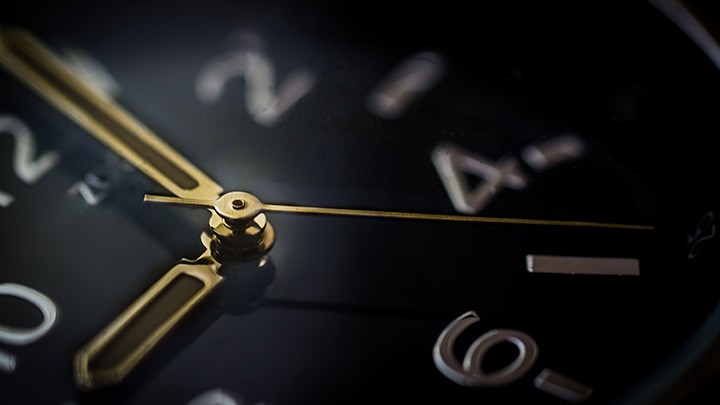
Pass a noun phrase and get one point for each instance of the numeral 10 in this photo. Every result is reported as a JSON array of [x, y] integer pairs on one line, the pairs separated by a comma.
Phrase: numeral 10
[[21, 337]]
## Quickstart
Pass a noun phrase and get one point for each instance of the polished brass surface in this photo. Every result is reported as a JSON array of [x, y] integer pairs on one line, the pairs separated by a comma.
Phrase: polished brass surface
[[118, 348], [252, 240], [231, 206], [238, 227], [298, 209], [37, 67]]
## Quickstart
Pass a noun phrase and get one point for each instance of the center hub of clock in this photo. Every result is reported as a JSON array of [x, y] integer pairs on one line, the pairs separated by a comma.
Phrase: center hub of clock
[[239, 228], [238, 204]]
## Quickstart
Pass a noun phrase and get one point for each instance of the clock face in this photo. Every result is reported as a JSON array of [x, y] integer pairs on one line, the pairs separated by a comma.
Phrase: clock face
[[592, 122]]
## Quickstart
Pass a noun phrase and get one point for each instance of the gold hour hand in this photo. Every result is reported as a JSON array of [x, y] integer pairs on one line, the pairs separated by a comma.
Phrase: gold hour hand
[[235, 233], [38, 68], [238, 230], [117, 349]]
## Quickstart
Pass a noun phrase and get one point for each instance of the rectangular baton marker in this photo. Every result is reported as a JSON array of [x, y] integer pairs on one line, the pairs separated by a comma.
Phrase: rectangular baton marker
[[562, 387], [583, 265]]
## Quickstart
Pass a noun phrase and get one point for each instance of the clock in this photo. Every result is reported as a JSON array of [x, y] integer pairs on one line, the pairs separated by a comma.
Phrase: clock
[[291, 203]]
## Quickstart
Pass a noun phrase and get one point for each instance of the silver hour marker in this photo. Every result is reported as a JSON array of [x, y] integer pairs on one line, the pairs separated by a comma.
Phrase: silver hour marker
[[416, 75], [562, 387], [583, 265], [7, 362], [553, 151]]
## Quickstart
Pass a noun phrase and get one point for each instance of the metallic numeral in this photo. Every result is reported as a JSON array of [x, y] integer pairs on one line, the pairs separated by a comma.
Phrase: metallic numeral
[[28, 169], [470, 373], [451, 162], [92, 189], [17, 336], [21, 337], [26, 166], [95, 186], [264, 103], [704, 231]]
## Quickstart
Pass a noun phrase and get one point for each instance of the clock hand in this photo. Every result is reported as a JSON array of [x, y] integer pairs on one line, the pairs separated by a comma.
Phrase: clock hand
[[244, 204], [109, 357], [117, 349], [240, 230], [38, 68]]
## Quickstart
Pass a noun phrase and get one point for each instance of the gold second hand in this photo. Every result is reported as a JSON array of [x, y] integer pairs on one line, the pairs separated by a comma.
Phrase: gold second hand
[[444, 217], [299, 209]]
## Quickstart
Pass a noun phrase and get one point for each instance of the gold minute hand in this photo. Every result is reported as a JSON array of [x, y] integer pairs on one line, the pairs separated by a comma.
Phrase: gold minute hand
[[118, 348], [37, 67]]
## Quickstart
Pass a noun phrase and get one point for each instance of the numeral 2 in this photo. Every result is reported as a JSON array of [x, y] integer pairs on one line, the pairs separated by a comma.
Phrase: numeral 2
[[265, 103], [26, 166]]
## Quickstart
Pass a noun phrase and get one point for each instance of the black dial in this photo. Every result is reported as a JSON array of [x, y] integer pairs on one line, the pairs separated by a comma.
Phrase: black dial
[[583, 132]]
